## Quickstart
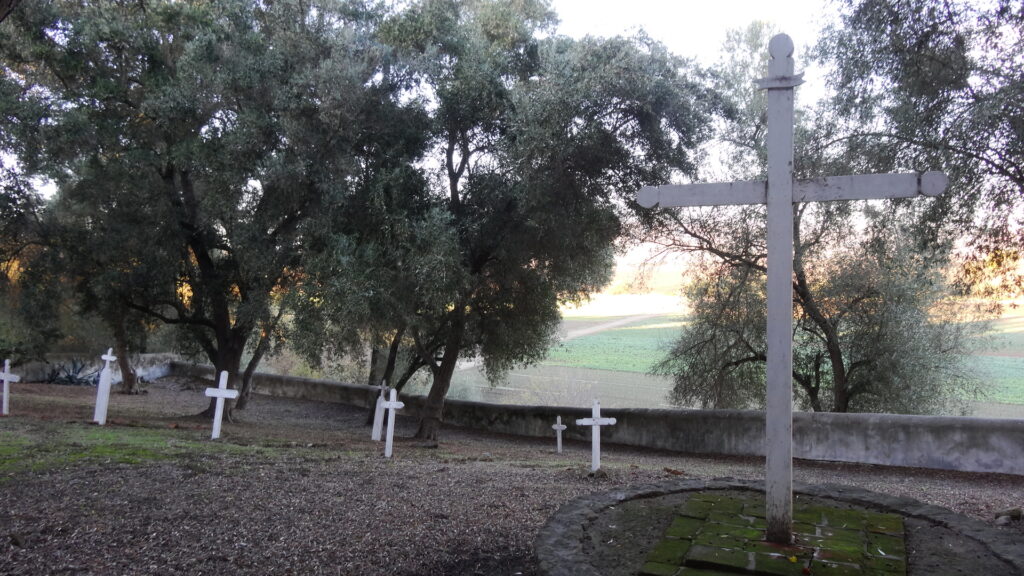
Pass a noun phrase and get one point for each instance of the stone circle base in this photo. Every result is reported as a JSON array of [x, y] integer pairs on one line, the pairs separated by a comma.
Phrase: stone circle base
[[698, 527]]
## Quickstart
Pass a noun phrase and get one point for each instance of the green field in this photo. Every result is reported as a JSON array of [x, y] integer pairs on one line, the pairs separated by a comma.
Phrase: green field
[[637, 347], [631, 348], [1005, 376]]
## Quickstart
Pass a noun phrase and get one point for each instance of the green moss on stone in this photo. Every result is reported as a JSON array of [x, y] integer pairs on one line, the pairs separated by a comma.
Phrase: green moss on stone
[[720, 541], [755, 510], [808, 516], [805, 528], [779, 565], [830, 534], [658, 569], [669, 552], [696, 509], [833, 569], [710, 557], [728, 517], [845, 556], [884, 523], [884, 566], [772, 548], [886, 545], [683, 527], [849, 519]]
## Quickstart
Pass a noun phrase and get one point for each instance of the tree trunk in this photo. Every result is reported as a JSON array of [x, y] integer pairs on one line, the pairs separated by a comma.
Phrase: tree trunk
[[388, 376], [229, 357], [433, 409], [250, 369], [6, 7], [809, 304], [373, 380], [129, 379]]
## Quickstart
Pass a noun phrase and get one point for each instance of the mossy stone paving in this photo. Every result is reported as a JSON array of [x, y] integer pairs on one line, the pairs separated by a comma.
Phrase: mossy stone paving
[[716, 533]]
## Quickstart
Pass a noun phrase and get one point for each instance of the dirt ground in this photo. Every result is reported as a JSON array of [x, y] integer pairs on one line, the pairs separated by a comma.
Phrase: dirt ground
[[297, 487]]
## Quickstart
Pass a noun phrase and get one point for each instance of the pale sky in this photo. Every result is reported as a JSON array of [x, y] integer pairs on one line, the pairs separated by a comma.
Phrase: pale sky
[[692, 29]]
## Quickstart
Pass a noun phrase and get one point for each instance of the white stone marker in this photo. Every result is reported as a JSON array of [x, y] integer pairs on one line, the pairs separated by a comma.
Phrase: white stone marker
[[378, 413], [780, 193], [220, 393], [391, 405], [595, 424], [99, 416], [8, 377], [558, 427]]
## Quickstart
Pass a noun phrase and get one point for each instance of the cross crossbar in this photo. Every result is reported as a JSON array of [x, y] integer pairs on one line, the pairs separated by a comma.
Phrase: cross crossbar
[[7, 375], [857, 187], [595, 422], [222, 393]]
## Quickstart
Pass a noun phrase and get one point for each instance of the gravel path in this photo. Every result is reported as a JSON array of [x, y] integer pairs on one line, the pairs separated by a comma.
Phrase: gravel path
[[322, 500]]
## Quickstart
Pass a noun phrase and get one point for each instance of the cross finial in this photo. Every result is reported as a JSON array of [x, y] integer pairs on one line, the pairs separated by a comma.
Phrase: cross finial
[[109, 356]]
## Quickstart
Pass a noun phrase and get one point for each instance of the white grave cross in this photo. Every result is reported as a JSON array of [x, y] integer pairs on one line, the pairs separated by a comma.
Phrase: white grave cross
[[558, 427], [99, 415], [391, 405], [8, 377], [220, 393], [780, 192], [378, 413], [595, 424]]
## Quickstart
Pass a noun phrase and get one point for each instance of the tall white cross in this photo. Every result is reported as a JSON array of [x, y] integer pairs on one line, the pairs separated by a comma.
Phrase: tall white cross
[[595, 423], [378, 413], [780, 193], [99, 415], [558, 427], [221, 392], [391, 405], [8, 377]]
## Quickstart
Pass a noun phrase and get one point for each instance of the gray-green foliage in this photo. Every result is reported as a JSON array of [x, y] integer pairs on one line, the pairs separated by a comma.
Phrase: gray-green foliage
[[196, 145], [929, 82], [902, 345], [875, 329]]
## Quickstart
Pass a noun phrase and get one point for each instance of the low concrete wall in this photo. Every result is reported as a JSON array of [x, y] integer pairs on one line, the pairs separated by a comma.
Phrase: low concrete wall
[[947, 443], [147, 366]]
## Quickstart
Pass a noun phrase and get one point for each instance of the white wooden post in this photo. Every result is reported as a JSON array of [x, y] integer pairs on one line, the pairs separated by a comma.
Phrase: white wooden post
[[221, 393], [378, 413], [558, 427], [780, 192], [391, 405], [595, 423], [8, 377], [99, 415], [779, 402]]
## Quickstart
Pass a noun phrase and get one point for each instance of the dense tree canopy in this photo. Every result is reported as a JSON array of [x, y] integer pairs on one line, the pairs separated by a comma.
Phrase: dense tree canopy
[[929, 82], [195, 144], [443, 174]]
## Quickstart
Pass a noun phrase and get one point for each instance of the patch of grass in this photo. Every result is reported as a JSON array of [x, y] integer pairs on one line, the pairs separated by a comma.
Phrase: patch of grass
[[55, 446], [631, 348], [1005, 376]]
